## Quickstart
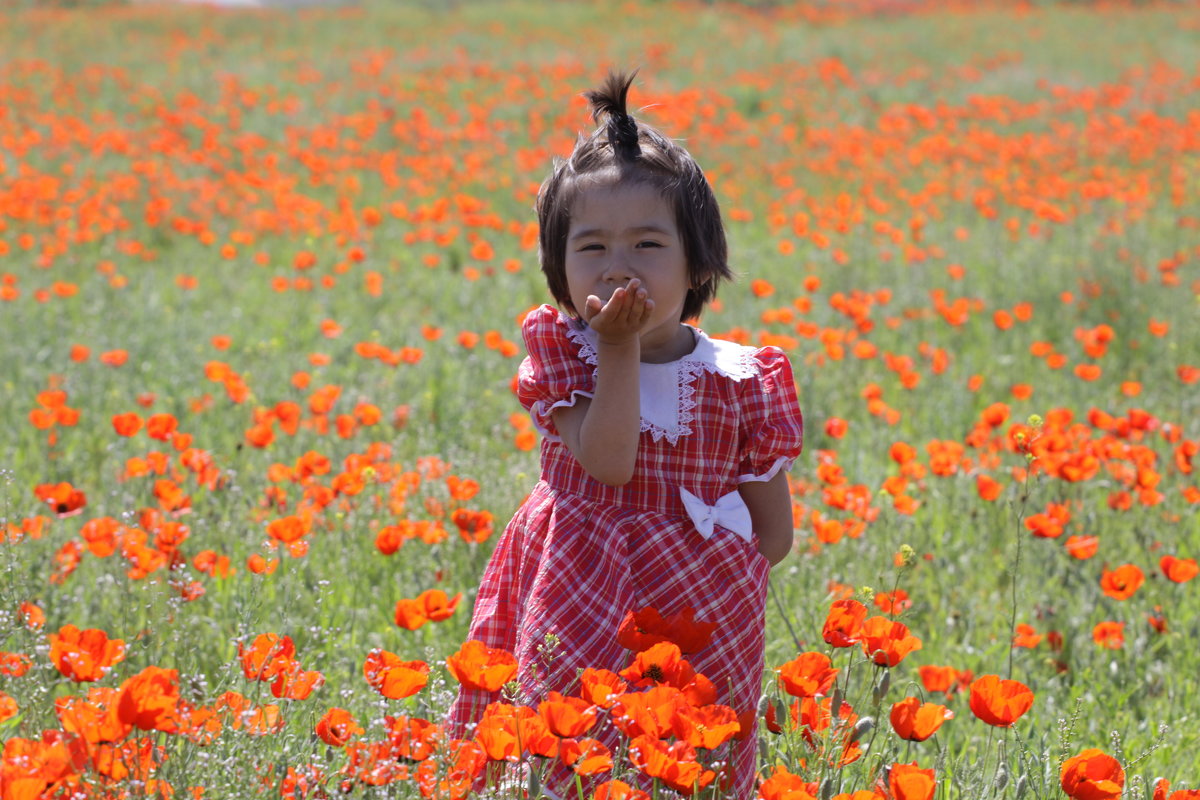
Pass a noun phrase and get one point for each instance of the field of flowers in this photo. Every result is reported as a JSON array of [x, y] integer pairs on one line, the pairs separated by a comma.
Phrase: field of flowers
[[260, 281]]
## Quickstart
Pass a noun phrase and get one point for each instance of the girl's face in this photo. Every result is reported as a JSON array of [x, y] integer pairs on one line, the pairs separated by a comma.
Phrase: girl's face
[[624, 231]]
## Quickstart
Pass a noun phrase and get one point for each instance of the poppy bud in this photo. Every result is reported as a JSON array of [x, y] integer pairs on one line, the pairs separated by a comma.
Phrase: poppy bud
[[1022, 786], [764, 703], [835, 702], [826, 790], [535, 784], [862, 728], [1001, 777], [882, 685]]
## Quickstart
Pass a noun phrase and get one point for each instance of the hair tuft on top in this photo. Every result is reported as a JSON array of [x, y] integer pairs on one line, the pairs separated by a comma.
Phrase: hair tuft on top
[[609, 107]]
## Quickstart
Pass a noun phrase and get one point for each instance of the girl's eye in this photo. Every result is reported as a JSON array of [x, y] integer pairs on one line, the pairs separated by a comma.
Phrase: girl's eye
[[649, 244], [592, 246]]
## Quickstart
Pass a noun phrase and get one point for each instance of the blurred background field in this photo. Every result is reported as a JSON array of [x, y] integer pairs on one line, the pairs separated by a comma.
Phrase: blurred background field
[[301, 241]]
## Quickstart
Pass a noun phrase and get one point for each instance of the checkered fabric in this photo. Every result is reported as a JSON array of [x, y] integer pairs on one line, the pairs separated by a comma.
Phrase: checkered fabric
[[579, 554]]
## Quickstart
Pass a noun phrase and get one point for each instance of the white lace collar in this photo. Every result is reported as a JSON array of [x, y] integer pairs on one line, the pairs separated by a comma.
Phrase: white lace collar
[[667, 391]]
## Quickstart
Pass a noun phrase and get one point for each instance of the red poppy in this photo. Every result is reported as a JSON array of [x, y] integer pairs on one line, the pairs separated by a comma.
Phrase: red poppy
[[1109, 634], [783, 785], [1092, 775], [887, 642], [843, 623], [586, 756], [662, 663], [807, 675], [64, 498], [910, 782], [268, 656], [84, 655], [477, 666], [1122, 582], [642, 629], [1000, 702], [337, 726], [600, 687], [8, 708], [393, 677], [567, 717], [150, 700], [432, 605], [1179, 570], [675, 764], [917, 721], [618, 790], [705, 727]]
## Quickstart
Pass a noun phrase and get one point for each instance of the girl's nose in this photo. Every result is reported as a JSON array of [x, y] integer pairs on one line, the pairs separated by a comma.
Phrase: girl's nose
[[617, 269]]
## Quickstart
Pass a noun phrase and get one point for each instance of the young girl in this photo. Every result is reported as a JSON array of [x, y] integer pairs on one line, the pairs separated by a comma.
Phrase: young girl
[[664, 452]]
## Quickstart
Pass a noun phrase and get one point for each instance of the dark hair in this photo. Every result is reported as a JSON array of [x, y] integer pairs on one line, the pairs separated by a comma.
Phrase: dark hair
[[620, 150]]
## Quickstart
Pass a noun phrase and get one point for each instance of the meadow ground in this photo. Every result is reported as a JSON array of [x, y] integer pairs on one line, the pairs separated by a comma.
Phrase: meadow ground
[[260, 281]]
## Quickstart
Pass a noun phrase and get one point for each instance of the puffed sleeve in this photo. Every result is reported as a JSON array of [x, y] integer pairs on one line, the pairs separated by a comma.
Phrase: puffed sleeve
[[553, 374], [771, 427]]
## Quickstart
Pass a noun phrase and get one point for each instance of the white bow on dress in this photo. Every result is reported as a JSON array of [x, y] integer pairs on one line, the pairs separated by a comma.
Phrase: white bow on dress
[[730, 512]]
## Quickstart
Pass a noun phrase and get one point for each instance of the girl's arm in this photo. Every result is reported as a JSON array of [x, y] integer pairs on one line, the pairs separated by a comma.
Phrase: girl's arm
[[602, 432], [770, 506]]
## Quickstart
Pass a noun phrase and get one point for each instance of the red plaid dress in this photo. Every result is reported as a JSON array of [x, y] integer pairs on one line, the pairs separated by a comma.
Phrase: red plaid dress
[[579, 554]]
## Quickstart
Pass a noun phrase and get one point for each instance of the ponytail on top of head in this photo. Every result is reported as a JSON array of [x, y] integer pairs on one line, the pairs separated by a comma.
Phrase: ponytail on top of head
[[624, 150], [609, 109]]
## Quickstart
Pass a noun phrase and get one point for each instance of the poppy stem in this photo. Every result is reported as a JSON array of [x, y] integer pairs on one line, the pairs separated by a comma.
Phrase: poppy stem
[[787, 620]]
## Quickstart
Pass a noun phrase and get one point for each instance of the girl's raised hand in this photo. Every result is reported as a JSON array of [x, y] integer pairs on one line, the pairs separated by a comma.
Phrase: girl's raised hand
[[623, 316]]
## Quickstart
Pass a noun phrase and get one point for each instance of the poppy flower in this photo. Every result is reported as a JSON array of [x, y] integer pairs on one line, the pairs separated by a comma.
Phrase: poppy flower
[[295, 683], [642, 629], [1178, 570], [1162, 786], [84, 655], [586, 756], [618, 790], [268, 656], [149, 700], [8, 708], [567, 717], [1122, 582], [65, 499], [704, 727], [413, 738], [1109, 634], [14, 664], [477, 666], [646, 713], [783, 785], [662, 663], [843, 623], [910, 782], [393, 677], [673, 764], [807, 675], [917, 721], [887, 642], [999, 702], [432, 605], [600, 686], [337, 726], [1092, 775]]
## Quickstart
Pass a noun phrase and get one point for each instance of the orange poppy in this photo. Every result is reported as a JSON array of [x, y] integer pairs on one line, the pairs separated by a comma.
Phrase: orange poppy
[[1109, 635], [149, 700], [586, 756], [393, 677], [843, 623], [807, 675], [336, 727], [8, 708], [662, 663], [642, 629], [1092, 775], [618, 790], [910, 782], [477, 666], [887, 642], [1179, 570], [646, 713], [84, 655], [567, 717], [675, 764], [999, 702], [1122, 582], [268, 656], [705, 727], [783, 785], [600, 687], [65, 499], [916, 721], [432, 605]]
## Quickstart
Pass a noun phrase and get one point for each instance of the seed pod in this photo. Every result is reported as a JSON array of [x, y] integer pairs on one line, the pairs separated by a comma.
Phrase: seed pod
[[1022, 786], [862, 728], [1001, 777], [882, 685]]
